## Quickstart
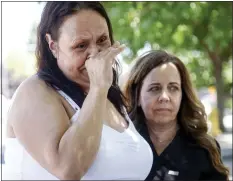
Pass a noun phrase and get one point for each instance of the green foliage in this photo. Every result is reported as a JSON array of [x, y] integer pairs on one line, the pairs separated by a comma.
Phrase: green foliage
[[180, 25], [199, 67], [185, 28]]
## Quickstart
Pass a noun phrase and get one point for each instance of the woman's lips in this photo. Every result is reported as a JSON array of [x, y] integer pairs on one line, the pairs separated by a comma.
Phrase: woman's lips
[[163, 110]]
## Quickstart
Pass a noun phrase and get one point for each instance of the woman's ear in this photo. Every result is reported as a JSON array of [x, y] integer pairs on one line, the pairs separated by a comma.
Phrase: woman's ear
[[52, 45]]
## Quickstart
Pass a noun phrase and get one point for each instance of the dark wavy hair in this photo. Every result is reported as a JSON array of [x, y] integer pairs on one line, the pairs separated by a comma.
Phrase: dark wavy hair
[[53, 16], [191, 116]]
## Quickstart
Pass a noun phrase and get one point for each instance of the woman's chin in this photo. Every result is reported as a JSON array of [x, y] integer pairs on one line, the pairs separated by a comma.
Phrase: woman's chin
[[163, 120]]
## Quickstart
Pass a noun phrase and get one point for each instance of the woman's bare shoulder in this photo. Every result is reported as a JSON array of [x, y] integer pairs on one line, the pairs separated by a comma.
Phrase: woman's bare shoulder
[[33, 84], [35, 102], [34, 93]]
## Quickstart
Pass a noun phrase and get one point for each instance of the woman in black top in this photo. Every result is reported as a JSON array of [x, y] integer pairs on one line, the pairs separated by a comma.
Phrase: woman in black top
[[167, 113]]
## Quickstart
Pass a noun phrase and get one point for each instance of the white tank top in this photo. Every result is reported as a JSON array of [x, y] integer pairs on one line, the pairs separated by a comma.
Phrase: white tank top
[[121, 156]]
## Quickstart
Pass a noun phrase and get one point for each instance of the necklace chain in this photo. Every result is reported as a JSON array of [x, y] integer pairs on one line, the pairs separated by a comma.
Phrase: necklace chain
[[170, 139]]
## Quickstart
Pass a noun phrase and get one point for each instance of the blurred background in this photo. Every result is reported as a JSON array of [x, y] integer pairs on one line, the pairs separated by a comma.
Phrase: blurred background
[[199, 33]]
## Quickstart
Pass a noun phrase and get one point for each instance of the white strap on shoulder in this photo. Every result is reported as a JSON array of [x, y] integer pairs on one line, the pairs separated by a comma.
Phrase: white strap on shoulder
[[127, 116], [69, 100]]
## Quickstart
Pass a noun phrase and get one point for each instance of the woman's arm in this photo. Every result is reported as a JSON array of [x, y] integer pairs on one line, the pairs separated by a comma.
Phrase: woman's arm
[[41, 124]]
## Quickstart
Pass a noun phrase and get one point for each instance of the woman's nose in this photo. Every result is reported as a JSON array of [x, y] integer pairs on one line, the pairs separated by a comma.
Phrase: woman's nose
[[93, 50], [164, 97]]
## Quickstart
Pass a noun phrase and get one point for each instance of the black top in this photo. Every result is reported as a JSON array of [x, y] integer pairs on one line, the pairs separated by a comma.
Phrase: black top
[[181, 160]]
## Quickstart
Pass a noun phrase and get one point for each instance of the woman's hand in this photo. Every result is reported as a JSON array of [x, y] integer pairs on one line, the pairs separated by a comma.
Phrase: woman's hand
[[99, 66]]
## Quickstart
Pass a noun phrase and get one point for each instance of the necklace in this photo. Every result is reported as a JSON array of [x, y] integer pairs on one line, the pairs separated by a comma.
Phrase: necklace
[[169, 139]]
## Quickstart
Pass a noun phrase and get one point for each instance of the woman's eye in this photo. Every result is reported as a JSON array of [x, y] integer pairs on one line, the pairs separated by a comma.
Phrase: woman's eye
[[173, 88], [81, 46], [101, 40], [153, 89]]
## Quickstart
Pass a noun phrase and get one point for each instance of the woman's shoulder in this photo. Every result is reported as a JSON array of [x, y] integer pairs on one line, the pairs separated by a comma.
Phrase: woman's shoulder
[[35, 85], [199, 158], [194, 145], [33, 89], [33, 82], [198, 154], [36, 97]]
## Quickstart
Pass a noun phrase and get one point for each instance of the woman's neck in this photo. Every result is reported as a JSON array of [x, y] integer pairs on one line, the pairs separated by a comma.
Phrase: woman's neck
[[162, 135]]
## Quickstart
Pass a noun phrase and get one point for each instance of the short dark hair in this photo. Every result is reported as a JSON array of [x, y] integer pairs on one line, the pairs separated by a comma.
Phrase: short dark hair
[[53, 16]]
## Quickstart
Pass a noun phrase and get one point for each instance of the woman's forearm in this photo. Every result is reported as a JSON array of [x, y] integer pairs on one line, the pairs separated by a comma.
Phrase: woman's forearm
[[79, 144]]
